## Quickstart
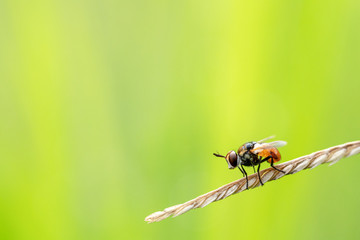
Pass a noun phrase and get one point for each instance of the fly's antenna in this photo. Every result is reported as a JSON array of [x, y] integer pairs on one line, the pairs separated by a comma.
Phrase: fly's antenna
[[218, 155], [265, 139]]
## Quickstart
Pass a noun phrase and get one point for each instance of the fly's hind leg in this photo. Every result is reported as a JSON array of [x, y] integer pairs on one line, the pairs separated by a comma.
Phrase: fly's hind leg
[[272, 163]]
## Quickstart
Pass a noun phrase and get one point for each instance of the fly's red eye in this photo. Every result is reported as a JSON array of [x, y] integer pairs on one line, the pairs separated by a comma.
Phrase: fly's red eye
[[232, 158]]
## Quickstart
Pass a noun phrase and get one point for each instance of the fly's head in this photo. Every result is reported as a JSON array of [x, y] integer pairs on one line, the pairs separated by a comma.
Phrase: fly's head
[[231, 158]]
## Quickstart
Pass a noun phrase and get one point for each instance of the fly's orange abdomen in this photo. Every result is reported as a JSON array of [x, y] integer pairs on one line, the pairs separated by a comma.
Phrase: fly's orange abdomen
[[273, 152]]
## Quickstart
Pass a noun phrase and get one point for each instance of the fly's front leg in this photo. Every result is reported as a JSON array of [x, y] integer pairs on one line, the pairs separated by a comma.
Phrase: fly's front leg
[[244, 173], [241, 171]]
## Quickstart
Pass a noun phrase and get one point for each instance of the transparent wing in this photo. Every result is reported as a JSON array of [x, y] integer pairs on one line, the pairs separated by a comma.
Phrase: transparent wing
[[265, 139], [277, 144]]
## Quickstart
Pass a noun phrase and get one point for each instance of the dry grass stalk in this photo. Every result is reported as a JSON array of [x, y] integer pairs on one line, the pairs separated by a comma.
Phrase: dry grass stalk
[[330, 155]]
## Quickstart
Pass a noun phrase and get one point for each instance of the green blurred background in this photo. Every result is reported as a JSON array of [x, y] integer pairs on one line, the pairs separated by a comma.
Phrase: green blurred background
[[111, 110]]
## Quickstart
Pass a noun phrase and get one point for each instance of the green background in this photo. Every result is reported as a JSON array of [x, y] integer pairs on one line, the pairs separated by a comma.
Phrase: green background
[[111, 110]]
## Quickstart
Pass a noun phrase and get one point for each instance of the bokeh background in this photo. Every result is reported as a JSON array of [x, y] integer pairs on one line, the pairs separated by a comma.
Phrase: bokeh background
[[111, 110]]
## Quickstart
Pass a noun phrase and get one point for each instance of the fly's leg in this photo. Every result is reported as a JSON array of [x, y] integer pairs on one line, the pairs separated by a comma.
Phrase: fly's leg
[[244, 173], [241, 171], [265, 159], [272, 163], [247, 180], [254, 168], [259, 175], [258, 172]]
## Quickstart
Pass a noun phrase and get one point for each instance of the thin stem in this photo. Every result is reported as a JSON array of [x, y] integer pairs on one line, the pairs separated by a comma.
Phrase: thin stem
[[330, 155]]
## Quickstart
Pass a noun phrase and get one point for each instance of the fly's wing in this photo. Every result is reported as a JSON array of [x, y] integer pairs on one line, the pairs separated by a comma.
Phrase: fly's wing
[[277, 144], [263, 146], [265, 139]]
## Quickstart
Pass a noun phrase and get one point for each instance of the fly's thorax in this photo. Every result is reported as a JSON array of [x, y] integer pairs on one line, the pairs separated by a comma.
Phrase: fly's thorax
[[248, 159], [246, 147]]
